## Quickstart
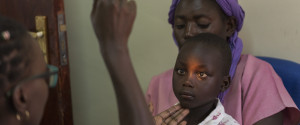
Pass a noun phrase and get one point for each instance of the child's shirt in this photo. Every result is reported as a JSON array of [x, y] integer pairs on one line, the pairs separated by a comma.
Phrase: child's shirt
[[219, 117]]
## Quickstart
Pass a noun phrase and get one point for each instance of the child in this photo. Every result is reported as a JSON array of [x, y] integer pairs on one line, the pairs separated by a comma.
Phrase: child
[[201, 72]]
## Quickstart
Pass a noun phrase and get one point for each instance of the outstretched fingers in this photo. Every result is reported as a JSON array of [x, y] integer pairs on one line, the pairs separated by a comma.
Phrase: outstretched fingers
[[167, 113], [160, 118], [172, 116], [177, 118], [132, 6]]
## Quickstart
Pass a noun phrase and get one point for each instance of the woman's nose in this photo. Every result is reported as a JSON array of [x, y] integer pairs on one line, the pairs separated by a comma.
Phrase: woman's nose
[[190, 30]]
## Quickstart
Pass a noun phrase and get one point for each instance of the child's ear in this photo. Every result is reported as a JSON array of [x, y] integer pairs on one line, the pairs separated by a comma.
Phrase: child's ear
[[226, 83], [20, 99]]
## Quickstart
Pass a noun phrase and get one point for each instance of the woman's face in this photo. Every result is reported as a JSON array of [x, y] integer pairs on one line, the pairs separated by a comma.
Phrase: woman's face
[[193, 17], [38, 93]]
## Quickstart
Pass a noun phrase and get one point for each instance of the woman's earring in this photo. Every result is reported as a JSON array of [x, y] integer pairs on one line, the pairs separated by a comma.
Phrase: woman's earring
[[18, 117], [27, 114]]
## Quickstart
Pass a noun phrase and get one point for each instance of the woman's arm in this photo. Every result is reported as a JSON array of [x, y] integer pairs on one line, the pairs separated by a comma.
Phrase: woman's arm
[[276, 119], [112, 22]]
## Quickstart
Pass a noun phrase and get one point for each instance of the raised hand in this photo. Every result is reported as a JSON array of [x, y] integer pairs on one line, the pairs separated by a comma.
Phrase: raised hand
[[113, 21], [172, 116]]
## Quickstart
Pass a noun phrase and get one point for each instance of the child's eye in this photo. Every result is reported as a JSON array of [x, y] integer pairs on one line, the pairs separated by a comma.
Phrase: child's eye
[[201, 75], [180, 71]]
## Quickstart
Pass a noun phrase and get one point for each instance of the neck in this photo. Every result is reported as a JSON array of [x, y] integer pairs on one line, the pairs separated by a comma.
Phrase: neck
[[9, 121], [198, 114]]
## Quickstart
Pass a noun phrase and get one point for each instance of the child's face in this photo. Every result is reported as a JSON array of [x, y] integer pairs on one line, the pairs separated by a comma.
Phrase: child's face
[[197, 75]]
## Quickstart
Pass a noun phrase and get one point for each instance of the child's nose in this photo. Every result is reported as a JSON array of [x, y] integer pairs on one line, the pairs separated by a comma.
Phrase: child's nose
[[188, 83]]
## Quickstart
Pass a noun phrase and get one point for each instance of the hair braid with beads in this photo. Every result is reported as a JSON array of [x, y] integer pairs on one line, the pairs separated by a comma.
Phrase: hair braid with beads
[[14, 56]]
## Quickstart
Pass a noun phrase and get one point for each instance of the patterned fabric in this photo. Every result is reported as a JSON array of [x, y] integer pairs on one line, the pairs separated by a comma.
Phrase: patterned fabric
[[219, 117], [230, 8], [256, 93]]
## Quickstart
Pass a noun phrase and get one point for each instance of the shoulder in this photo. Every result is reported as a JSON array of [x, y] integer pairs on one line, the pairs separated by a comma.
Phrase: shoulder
[[165, 76], [162, 80], [255, 68], [262, 90], [257, 74], [251, 61], [160, 92]]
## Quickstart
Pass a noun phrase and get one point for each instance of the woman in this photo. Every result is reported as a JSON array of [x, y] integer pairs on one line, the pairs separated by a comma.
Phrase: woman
[[257, 95], [24, 76]]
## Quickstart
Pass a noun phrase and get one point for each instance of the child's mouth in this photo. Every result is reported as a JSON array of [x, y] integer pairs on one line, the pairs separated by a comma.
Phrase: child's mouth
[[186, 95]]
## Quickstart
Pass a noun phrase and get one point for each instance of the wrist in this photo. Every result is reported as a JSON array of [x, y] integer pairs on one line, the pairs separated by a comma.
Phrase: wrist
[[113, 49], [113, 45]]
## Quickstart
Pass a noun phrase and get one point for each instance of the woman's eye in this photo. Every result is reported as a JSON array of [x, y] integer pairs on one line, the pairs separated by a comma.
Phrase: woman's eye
[[202, 75], [180, 26], [180, 71], [203, 26]]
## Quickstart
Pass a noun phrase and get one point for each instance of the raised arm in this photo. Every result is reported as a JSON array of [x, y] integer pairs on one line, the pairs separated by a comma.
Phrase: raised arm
[[112, 22]]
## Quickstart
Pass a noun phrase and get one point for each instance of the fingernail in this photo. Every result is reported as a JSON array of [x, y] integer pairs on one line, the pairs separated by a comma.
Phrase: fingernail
[[187, 111]]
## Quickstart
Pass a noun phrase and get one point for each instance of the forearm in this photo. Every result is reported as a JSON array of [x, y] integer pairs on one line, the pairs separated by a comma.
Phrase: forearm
[[276, 119], [131, 103]]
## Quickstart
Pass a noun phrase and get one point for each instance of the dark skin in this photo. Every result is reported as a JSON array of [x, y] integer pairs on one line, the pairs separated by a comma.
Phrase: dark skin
[[193, 17], [112, 22], [197, 80], [28, 96]]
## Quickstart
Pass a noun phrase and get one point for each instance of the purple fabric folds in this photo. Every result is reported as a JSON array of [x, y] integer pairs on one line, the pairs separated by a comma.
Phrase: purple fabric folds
[[230, 8]]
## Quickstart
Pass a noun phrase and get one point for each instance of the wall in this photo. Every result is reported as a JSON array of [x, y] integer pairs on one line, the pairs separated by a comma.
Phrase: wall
[[272, 28], [150, 43], [269, 30]]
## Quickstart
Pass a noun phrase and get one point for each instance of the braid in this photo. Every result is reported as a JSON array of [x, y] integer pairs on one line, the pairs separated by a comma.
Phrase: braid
[[13, 51]]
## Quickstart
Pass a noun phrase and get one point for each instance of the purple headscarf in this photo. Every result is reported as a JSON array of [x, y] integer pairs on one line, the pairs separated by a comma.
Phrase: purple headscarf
[[230, 8]]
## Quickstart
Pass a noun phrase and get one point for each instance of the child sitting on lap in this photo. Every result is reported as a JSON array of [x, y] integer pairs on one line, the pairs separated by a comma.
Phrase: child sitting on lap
[[201, 72]]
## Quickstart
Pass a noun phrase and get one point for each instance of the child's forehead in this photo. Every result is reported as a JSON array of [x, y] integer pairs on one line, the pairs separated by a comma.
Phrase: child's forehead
[[199, 49], [200, 53]]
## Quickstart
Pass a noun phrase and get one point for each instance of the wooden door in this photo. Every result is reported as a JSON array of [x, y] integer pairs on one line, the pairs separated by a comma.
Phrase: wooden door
[[58, 110]]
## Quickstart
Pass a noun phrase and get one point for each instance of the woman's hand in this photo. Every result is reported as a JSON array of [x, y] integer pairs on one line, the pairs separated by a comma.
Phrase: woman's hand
[[113, 21], [172, 116]]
